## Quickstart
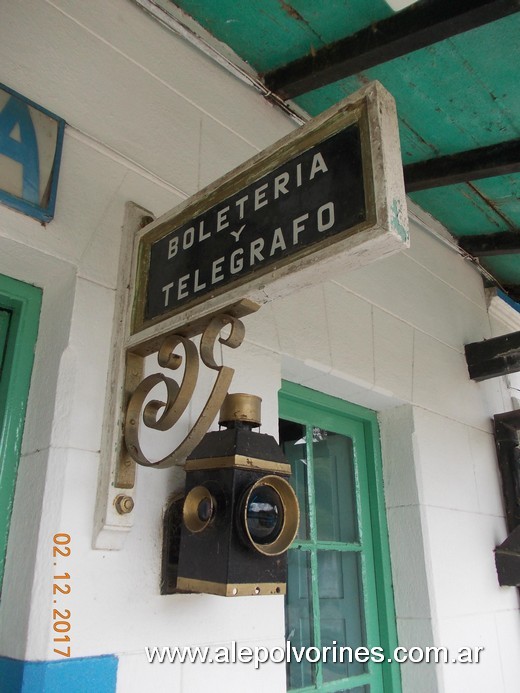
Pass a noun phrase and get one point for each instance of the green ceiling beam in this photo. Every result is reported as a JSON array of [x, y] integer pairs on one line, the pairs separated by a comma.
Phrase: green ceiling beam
[[422, 24]]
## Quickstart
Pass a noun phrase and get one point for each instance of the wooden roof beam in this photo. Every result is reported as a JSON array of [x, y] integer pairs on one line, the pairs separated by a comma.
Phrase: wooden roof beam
[[488, 244], [484, 162], [420, 25]]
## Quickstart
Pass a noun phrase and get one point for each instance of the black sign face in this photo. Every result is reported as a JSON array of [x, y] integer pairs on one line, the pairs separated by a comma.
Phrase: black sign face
[[314, 196]]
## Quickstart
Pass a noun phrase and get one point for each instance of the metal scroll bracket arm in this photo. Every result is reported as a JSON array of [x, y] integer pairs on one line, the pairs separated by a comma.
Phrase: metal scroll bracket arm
[[162, 416]]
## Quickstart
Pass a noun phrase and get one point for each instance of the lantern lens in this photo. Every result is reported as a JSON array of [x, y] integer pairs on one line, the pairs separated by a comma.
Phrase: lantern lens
[[269, 515], [264, 515]]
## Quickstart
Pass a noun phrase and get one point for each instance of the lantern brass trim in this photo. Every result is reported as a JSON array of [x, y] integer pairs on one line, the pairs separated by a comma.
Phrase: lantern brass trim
[[232, 589], [241, 407], [238, 461], [291, 515], [190, 512]]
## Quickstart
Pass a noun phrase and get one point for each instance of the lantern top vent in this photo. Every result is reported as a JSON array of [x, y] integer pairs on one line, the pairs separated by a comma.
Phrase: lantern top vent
[[241, 407]]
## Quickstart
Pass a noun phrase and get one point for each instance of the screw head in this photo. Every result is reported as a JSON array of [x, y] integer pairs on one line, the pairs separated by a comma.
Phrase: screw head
[[124, 504]]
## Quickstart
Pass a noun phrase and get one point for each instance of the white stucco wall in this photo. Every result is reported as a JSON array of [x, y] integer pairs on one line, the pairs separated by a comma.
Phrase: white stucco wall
[[152, 120]]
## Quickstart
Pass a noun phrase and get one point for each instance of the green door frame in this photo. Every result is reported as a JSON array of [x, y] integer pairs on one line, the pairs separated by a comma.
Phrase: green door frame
[[302, 405], [23, 303]]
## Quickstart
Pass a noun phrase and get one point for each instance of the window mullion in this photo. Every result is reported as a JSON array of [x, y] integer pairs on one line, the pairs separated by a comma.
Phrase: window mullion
[[313, 535], [311, 494]]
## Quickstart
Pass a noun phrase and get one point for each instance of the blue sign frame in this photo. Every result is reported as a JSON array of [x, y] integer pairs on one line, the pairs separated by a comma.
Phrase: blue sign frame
[[24, 150]]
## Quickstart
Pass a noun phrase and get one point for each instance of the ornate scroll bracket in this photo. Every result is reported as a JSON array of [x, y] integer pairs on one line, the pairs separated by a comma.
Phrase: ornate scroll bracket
[[129, 409], [162, 416]]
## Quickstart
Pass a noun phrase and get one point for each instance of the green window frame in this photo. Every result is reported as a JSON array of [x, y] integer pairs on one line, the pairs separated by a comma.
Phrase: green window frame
[[20, 306], [354, 431]]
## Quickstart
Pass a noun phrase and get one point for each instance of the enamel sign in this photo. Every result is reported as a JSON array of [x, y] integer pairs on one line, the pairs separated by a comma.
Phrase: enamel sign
[[319, 187], [30, 151]]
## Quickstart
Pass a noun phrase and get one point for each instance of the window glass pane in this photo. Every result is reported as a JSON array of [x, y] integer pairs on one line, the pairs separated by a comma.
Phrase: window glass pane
[[298, 617], [334, 481], [342, 620], [293, 442]]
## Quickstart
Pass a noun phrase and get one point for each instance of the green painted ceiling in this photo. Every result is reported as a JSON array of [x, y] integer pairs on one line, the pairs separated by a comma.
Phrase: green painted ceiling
[[458, 94]]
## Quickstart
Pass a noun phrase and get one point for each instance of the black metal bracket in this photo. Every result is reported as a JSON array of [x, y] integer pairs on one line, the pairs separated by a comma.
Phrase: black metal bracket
[[493, 357], [172, 523], [507, 560], [506, 428], [507, 555]]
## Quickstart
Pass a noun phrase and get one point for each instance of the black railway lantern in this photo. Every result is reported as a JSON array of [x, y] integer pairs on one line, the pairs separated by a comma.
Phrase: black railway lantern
[[240, 513]]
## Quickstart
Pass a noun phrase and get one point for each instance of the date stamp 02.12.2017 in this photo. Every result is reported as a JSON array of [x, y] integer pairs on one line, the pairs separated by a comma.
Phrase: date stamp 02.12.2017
[[61, 587]]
